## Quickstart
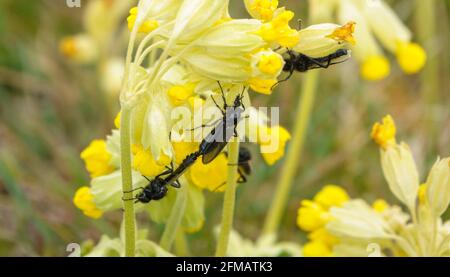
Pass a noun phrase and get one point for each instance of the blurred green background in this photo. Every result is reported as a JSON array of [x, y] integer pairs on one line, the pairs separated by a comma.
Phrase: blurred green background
[[50, 109]]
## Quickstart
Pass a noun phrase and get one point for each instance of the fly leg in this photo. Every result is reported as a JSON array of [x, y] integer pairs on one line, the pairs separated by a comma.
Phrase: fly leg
[[128, 191], [291, 71], [205, 125], [217, 105], [242, 178], [225, 105], [176, 184]]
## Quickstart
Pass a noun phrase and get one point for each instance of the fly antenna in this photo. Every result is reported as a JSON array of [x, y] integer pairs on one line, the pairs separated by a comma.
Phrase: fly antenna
[[223, 95]]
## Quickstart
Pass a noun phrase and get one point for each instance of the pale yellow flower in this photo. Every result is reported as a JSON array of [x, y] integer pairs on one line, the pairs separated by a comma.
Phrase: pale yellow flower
[[321, 40], [80, 48]]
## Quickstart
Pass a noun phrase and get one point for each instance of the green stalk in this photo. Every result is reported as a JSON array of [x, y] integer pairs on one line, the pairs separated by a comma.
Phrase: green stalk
[[181, 244], [294, 154], [127, 182], [425, 17], [229, 199], [426, 31], [125, 154], [174, 221]]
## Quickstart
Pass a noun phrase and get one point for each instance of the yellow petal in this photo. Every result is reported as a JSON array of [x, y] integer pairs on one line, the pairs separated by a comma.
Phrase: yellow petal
[[380, 205], [316, 249], [384, 133], [345, 33], [375, 68], [261, 85], [311, 216], [330, 196], [212, 176], [83, 200], [97, 159], [411, 57]]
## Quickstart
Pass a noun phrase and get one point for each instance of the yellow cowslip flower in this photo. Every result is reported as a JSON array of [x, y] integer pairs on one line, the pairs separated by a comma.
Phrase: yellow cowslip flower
[[212, 176], [144, 163], [266, 64], [273, 143], [324, 236], [196, 16], [83, 200], [331, 195], [311, 216], [231, 38], [117, 120], [67, 47], [178, 95], [263, 86], [375, 68], [261, 9], [97, 159], [379, 20], [380, 205], [411, 57], [321, 40], [422, 194], [384, 133], [111, 75], [80, 48], [146, 27], [316, 249], [278, 30]]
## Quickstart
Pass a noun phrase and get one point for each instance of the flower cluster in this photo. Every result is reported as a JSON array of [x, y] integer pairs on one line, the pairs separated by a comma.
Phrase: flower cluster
[[200, 45], [356, 227], [101, 21], [186, 58], [375, 20], [314, 215]]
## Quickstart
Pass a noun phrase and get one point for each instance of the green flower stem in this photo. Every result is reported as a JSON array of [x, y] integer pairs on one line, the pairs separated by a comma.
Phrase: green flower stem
[[229, 199], [181, 244], [125, 154], [294, 154], [127, 182], [174, 221], [425, 17]]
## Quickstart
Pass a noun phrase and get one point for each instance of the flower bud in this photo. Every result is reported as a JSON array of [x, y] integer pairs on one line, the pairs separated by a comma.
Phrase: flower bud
[[324, 39], [438, 186]]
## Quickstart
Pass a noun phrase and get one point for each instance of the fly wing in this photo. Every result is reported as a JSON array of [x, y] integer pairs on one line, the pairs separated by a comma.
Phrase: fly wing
[[215, 149], [217, 142], [246, 168]]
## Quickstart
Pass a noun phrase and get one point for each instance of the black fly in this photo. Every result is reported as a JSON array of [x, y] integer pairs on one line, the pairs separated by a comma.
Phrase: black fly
[[210, 147], [302, 63], [213, 144], [157, 188], [244, 167]]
